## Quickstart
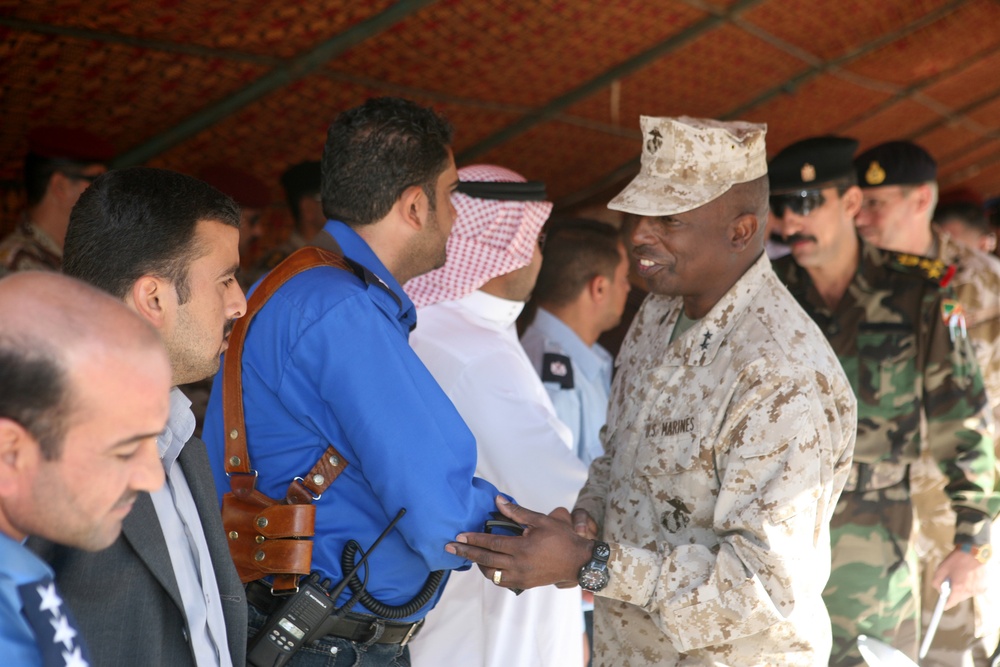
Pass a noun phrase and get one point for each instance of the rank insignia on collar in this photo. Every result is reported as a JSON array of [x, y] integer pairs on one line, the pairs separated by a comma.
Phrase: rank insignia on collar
[[875, 174], [808, 173], [953, 315]]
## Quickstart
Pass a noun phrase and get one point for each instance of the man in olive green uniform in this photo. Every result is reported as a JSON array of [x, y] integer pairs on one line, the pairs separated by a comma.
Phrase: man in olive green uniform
[[898, 180], [898, 333]]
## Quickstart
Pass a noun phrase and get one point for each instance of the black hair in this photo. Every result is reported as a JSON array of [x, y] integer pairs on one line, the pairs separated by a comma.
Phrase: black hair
[[375, 151], [969, 214], [34, 392], [138, 221], [301, 180], [38, 171], [575, 252]]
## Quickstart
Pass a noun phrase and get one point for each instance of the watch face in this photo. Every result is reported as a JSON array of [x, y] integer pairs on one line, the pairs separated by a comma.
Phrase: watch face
[[593, 580], [602, 551]]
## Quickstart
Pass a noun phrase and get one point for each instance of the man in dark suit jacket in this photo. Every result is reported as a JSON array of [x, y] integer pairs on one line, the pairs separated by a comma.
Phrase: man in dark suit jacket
[[166, 592]]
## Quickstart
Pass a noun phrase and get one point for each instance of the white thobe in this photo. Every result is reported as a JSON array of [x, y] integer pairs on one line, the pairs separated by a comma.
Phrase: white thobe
[[471, 348]]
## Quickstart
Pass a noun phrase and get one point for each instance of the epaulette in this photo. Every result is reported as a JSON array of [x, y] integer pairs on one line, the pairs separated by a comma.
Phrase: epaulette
[[557, 368], [930, 269]]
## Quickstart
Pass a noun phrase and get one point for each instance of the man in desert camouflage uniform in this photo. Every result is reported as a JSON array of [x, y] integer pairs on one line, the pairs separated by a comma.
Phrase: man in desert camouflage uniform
[[898, 181], [728, 441], [894, 326], [61, 163]]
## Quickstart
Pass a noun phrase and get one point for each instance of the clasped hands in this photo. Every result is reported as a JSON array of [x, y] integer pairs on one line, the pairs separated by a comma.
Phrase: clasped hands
[[552, 549]]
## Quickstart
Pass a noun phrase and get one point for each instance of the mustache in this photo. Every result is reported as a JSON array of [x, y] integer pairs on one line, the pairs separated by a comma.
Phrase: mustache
[[228, 328], [797, 238]]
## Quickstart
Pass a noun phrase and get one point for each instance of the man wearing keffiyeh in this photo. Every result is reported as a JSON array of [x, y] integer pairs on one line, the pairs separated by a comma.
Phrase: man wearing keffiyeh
[[467, 339]]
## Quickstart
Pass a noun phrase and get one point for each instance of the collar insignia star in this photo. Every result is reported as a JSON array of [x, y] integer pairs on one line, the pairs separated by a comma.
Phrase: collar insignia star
[[708, 337], [50, 598], [64, 632], [74, 659]]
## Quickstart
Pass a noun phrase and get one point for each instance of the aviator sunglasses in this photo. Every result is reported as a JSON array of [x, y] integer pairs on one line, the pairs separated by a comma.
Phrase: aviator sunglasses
[[800, 203]]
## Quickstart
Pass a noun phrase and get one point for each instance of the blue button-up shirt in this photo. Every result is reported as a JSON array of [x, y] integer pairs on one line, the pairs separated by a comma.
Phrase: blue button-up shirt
[[18, 566], [327, 361], [584, 405]]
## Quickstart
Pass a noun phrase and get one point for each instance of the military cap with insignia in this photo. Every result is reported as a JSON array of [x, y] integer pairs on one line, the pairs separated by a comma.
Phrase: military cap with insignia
[[689, 162], [895, 163], [799, 171], [812, 164]]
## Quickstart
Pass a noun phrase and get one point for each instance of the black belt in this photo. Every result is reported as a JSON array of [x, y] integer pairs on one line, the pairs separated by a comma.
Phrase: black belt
[[352, 627]]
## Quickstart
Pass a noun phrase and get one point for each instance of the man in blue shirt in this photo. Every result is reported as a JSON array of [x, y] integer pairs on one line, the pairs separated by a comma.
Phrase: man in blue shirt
[[84, 394], [327, 362], [580, 293]]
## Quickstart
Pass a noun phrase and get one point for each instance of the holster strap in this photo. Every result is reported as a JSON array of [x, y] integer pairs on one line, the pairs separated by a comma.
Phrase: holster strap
[[268, 537]]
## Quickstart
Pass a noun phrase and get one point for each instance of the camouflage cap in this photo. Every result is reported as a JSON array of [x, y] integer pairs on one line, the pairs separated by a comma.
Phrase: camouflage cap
[[688, 162]]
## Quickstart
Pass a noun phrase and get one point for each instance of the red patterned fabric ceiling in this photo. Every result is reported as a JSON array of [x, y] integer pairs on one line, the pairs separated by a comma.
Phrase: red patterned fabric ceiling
[[550, 88]]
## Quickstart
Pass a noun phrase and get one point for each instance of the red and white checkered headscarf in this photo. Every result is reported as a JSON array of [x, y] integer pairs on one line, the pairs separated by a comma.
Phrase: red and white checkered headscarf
[[490, 238]]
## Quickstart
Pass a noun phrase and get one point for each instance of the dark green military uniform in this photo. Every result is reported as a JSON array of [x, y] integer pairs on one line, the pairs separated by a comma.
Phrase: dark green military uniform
[[918, 389]]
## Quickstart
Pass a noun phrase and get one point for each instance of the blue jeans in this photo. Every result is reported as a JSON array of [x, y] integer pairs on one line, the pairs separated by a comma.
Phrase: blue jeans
[[336, 652]]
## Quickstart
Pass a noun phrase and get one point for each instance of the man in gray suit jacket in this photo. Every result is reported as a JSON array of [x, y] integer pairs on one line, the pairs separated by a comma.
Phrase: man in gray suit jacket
[[166, 592]]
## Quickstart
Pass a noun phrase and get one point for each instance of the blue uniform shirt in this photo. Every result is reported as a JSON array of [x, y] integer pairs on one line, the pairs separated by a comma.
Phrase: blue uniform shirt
[[18, 566], [327, 361], [577, 378]]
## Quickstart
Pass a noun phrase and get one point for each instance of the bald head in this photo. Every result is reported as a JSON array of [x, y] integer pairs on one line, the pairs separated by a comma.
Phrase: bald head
[[54, 330]]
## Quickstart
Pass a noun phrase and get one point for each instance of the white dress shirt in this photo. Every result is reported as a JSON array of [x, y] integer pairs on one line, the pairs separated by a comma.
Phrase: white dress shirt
[[185, 538], [471, 348]]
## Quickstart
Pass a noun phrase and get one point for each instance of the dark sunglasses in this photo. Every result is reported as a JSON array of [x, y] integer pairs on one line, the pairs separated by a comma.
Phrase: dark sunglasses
[[800, 203]]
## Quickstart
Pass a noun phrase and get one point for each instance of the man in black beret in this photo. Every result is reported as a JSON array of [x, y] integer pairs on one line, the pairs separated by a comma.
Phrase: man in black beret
[[889, 317], [898, 180]]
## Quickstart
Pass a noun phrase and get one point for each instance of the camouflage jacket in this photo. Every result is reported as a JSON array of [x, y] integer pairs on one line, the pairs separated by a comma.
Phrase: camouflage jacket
[[914, 373], [28, 248], [977, 284], [726, 453]]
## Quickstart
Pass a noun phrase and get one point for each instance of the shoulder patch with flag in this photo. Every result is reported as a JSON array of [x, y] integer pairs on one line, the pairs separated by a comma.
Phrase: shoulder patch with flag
[[954, 316]]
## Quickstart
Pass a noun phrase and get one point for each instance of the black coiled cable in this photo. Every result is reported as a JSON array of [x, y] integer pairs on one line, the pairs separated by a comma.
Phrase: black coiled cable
[[378, 607]]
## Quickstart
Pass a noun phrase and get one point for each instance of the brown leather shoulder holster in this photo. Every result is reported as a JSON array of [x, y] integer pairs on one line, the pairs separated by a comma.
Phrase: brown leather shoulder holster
[[268, 536]]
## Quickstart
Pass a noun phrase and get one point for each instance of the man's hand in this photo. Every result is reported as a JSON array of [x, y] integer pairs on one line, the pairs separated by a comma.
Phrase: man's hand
[[968, 576], [549, 551]]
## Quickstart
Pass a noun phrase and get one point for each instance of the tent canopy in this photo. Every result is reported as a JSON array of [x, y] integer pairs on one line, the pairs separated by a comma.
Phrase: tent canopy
[[550, 88]]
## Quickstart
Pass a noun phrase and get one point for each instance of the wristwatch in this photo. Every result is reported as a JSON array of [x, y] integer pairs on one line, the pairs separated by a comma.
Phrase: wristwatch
[[594, 575], [981, 553]]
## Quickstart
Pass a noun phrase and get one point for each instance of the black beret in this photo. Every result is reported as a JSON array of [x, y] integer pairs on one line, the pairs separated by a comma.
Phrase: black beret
[[895, 163], [302, 179], [811, 163]]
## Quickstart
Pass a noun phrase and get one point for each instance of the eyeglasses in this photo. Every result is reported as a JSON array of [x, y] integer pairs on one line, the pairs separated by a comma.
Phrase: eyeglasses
[[800, 203]]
